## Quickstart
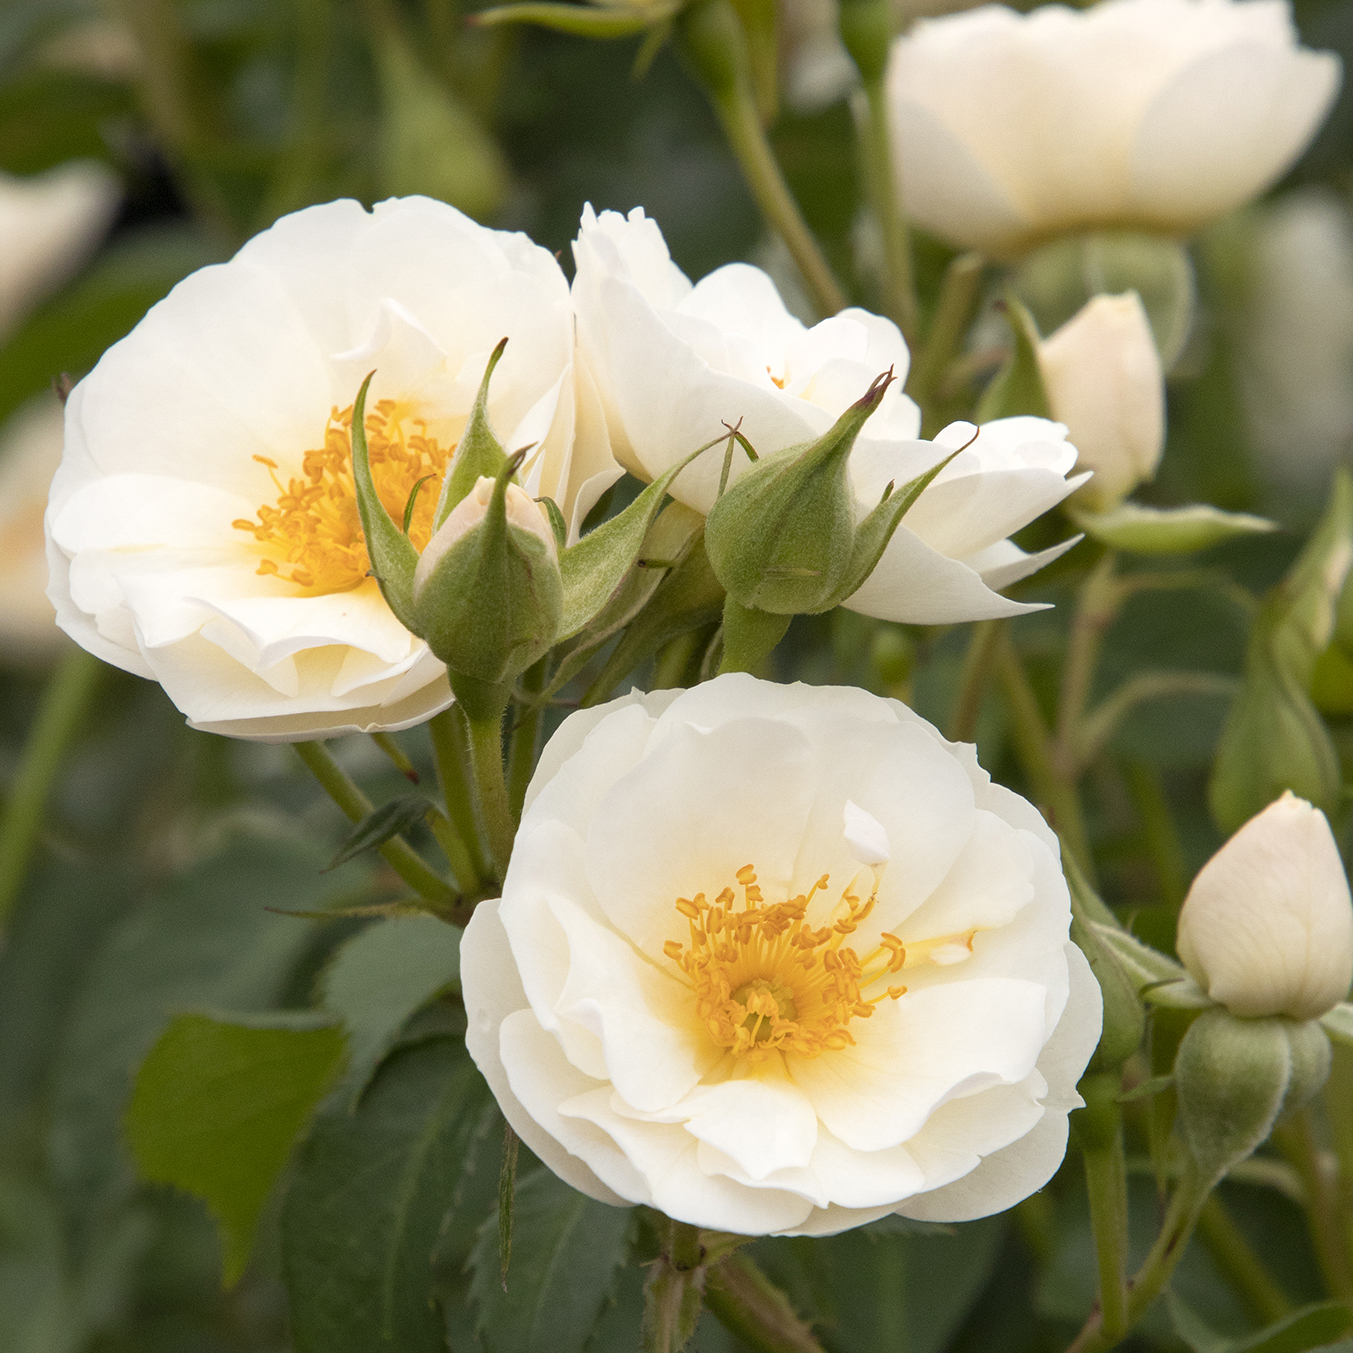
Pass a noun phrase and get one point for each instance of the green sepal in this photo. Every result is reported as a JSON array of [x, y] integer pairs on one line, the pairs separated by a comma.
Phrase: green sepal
[[557, 523], [782, 538], [1139, 529], [594, 568], [581, 21], [875, 532], [1017, 387], [479, 454], [749, 635], [491, 605], [392, 555]]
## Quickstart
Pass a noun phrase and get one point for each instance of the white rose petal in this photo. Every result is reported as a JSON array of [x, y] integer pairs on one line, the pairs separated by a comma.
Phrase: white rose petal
[[737, 1085], [171, 548], [674, 363], [1267, 927], [1157, 113]]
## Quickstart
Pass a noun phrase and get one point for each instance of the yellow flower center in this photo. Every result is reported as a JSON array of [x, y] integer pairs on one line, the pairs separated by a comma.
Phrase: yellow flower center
[[765, 980], [313, 534]]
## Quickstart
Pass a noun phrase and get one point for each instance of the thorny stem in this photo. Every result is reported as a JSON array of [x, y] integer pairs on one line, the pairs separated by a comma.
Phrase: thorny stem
[[355, 806], [62, 707], [745, 1302]]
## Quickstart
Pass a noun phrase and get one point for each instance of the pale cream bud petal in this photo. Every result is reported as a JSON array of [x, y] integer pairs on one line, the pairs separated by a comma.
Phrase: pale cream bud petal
[[1267, 928], [1104, 381]]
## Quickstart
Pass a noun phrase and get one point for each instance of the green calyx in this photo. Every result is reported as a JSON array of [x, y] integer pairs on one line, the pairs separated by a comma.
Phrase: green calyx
[[491, 604], [479, 453]]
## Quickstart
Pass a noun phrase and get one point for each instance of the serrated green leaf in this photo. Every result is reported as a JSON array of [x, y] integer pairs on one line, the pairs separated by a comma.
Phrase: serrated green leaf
[[367, 1196], [383, 975], [1017, 387], [1139, 529], [567, 1254], [581, 21], [381, 824], [595, 567], [218, 1105], [207, 938]]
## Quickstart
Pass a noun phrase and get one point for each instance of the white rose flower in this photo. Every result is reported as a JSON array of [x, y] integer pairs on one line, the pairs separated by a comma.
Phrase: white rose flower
[[674, 362], [203, 527], [49, 224], [30, 451], [1104, 380], [1159, 114], [1267, 927], [780, 959]]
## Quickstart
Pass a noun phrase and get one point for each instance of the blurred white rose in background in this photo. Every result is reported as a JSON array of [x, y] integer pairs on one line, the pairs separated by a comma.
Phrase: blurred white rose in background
[[1155, 114]]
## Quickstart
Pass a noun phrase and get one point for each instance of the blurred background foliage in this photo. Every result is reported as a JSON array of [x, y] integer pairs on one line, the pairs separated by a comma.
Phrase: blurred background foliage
[[166, 849]]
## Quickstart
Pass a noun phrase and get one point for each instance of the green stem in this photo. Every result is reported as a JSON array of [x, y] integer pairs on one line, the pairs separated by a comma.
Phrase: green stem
[[396, 753], [1033, 745], [1154, 1275], [1162, 839], [1097, 603], [960, 295], [456, 851], [521, 753], [979, 664], [450, 735], [1239, 1264], [486, 756], [59, 712], [355, 806], [1338, 1100], [1295, 1138], [885, 193], [712, 41], [750, 1306], [1099, 1129]]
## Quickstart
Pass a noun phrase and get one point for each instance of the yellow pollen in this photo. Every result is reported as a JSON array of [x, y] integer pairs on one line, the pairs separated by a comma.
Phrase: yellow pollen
[[313, 536], [763, 980]]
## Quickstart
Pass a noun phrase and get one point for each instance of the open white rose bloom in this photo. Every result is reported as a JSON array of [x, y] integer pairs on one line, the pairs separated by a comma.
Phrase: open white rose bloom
[[780, 959], [674, 362], [1159, 114], [203, 526], [1267, 927]]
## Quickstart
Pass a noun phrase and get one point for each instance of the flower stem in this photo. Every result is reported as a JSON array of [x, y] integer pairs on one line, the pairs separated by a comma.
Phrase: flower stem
[[978, 667], [450, 735], [1099, 1129], [521, 752], [960, 295], [1097, 603], [486, 757], [1059, 800], [1295, 1138], [747, 1304], [885, 194], [1239, 1264], [59, 712], [1152, 1278], [355, 806], [714, 46]]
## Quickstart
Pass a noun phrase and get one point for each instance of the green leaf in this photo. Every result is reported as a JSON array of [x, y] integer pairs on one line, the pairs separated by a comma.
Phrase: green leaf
[[208, 939], [368, 1192], [596, 566], [218, 1105], [1148, 1089], [382, 976], [1338, 1023], [1304, 1331], [378, 826], [1017, 387], [581, 21], [1167, 530], [393, 557], [567, 1254]]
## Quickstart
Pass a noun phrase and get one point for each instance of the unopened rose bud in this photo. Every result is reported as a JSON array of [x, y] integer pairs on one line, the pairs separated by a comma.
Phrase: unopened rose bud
[[1104, 380], [1267, 928]]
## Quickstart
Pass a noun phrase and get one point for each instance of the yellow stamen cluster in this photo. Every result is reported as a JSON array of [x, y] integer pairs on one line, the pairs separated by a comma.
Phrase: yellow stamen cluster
[[313, 534], [765, 980]]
